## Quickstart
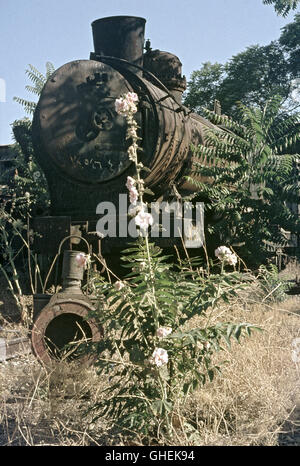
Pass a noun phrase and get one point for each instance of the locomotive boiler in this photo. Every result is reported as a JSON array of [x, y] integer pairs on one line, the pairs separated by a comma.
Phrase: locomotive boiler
[[80, 143], [80, 139]]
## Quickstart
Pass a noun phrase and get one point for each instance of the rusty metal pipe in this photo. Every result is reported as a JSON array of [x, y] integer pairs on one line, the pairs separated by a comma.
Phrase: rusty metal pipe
[[121, 37]]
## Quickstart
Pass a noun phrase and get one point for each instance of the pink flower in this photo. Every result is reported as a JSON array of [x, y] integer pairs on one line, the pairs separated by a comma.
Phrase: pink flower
[[232, 259], [163, 332], [126, 105], [122, 107], [132, 97], [133, 195], [133, 211], [119, 285], [132, 108], [224, 254], [222, 251], [159, 357], [130, 182], [81, 259], [143, 220]]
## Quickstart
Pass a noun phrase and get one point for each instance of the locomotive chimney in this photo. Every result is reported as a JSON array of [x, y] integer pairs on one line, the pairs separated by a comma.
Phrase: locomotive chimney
[[120, 37]]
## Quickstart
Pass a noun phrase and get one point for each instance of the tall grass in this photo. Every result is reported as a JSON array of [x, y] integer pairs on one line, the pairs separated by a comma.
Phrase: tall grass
[[247, 405]]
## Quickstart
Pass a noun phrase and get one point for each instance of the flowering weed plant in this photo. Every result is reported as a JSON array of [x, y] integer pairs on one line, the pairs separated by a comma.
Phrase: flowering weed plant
[[153, 356]]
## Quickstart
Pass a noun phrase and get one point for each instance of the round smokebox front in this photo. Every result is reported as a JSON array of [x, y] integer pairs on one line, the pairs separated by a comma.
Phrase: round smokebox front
[[79, 129]]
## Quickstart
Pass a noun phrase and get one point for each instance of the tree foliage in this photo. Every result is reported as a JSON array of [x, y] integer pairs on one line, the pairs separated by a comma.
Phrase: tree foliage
[[251, 77], [24, 177], [290, 43], [282, 7], [253, 178], [203, 87]]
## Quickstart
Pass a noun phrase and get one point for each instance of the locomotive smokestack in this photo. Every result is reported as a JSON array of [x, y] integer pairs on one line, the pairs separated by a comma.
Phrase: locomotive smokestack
[[121, 37]]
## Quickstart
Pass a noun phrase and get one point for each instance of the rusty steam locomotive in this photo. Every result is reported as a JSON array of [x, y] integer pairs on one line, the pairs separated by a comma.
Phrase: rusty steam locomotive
[[80, 144], [80, 139]]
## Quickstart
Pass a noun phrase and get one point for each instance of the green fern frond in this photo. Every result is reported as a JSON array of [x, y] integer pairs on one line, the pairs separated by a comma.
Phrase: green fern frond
[[249, 195], [39, 80], [34, 71], [32, 89], [29, 106], [49, 69]]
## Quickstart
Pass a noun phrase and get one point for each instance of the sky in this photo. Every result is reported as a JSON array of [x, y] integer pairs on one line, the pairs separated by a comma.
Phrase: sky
[[36, 31]]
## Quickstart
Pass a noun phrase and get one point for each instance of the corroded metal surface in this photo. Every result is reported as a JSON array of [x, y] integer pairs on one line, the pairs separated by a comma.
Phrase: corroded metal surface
[[62, 321], [80, 140], [72, 273], [167, 68], [83, 136], [120, 36], [49, 232], [79, 127]]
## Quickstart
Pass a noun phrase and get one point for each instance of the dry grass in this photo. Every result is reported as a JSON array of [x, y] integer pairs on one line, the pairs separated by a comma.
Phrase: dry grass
[[247, 405], [259, 386], [39, 406]]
